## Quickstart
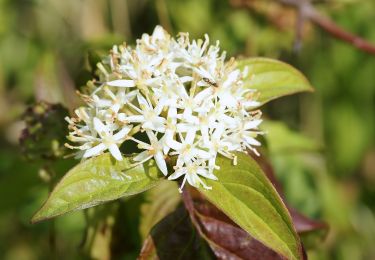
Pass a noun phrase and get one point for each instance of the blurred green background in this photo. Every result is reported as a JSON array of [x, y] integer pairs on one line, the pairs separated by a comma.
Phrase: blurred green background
[[48, 47]]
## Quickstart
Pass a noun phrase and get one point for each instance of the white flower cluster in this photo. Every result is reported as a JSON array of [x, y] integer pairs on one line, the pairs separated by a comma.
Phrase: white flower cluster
[[191, 104]]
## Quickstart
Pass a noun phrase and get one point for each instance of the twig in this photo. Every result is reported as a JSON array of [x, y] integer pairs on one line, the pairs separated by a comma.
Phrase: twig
[[336, 31], [328, 25], [306, 11]]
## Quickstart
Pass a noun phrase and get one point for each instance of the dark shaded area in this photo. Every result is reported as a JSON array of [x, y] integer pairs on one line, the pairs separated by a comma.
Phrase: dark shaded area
[[174, 237]]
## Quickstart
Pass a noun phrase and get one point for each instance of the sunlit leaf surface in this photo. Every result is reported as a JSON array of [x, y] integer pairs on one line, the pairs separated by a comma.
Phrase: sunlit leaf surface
[[273, 78], [247, 197], [95, 181]]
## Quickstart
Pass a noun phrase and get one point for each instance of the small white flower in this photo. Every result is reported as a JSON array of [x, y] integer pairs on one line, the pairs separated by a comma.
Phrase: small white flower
[[107, 139], [153, 150], [191, 171], [116, 101], [190, 102], [187, 150], [148, 116]]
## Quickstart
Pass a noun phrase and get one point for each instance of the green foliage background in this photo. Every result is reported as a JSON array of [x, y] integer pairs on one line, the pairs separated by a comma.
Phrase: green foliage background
[[48, 48]]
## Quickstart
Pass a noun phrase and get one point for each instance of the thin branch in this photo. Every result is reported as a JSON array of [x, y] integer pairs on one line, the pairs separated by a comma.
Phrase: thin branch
[[338, 32], [309, 12]]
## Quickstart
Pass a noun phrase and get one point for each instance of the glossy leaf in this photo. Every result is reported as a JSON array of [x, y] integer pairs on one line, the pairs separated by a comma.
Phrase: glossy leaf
[[95, 181], [226, 239], [303, 225], [273, 78], [248, 198]]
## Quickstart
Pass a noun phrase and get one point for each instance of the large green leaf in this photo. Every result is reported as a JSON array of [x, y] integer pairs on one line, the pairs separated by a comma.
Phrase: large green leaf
[[95, 181], [273, 78], [245, 195]]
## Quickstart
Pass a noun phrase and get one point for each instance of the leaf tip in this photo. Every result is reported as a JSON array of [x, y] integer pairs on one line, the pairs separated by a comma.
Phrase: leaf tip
[[41, 215], [37, 217]]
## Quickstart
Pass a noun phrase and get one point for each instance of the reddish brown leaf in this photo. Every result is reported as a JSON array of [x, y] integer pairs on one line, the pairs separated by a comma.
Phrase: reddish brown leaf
[[304, 224], [226, 239]]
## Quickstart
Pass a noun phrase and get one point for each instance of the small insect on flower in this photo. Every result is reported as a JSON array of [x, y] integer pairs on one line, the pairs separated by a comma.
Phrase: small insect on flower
[[190, 102], [208, 81]]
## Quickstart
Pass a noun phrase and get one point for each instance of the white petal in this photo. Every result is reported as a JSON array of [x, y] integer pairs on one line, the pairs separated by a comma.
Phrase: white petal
[[121, 117], [160, 161], [125, 83], [113, 149], [204, 133], [172, 112], [135, 119], [203, 73], [115, 108], [99, 126], [252, 141], [193, 179], [252, 124], [177, 174], [228, 120], [218, 131], [206, 173], [102, 102], [174, 144], [159, 33], [232, 77], [155, 125], [159, 107], [143, 101], [185, 79], [122, 133], [142, 156], [251, 104], [183, 127], [201, 154], [96, 150], [152, 81], [227, 99], [190, 136], [204, 94], [131, 95]]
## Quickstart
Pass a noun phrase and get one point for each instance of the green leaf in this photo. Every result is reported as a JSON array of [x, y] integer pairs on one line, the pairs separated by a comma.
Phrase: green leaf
[[245, 195], [226, 239], [281, 139], [273, 78], [96, 181]]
